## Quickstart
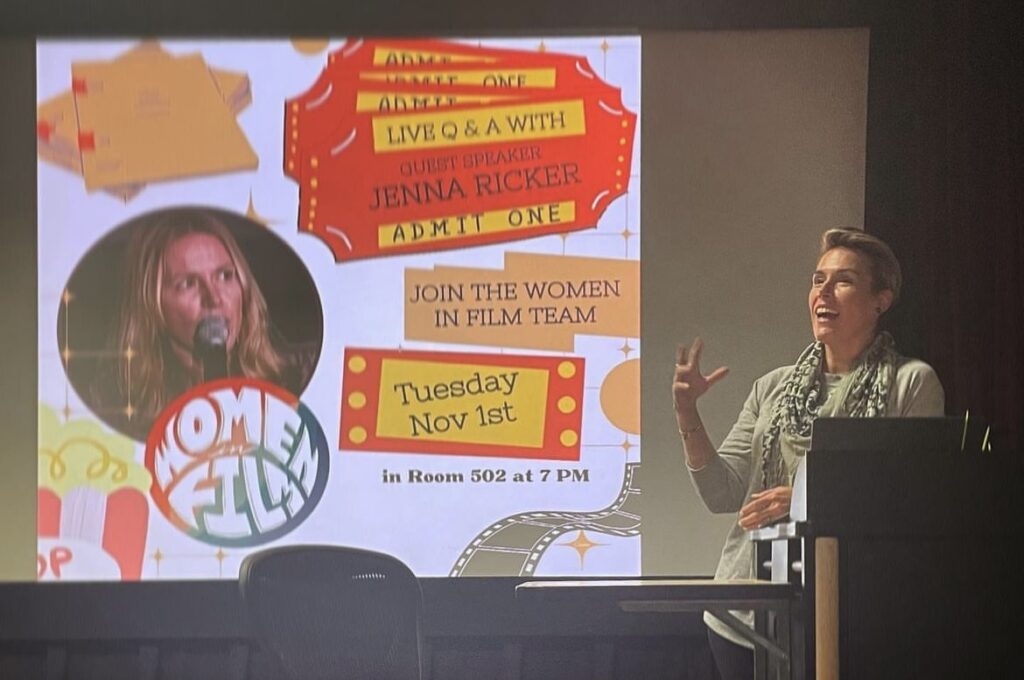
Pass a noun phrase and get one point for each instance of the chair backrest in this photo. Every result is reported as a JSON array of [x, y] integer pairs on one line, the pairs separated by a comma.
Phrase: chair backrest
[[335, 612]]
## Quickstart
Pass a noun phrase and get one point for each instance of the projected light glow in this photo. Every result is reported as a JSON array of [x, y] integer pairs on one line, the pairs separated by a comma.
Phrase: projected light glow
[[425, 254]]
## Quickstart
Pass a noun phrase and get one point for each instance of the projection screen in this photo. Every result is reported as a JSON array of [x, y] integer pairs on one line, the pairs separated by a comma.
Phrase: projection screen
[[373, 292]]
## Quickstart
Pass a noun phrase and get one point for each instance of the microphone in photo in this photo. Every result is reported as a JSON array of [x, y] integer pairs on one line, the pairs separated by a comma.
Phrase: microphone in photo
[[210, 347]]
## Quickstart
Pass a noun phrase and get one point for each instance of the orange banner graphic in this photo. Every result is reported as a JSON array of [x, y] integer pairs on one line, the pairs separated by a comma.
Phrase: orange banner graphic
[[536, 302]]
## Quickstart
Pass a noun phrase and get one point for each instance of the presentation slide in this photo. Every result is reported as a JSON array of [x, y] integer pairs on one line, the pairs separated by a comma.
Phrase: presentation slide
[[371, 292]]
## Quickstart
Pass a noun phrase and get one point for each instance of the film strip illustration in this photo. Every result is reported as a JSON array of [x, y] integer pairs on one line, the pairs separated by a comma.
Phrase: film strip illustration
[[514, 545]]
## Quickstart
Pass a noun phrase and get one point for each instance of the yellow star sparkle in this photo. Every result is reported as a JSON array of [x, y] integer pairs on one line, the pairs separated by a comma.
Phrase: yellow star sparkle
[[581, 544]]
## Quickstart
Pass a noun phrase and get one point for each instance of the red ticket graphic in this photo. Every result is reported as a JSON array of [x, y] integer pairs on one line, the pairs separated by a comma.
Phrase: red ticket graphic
[[428, 73], [447, 403], [468, 175], [310, 127]]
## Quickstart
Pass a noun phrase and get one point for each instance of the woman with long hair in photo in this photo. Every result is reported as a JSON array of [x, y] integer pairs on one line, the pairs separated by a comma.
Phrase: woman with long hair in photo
[[184, 268]]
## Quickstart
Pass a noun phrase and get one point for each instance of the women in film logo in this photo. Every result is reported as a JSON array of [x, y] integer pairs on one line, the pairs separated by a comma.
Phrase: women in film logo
[[237, 462]]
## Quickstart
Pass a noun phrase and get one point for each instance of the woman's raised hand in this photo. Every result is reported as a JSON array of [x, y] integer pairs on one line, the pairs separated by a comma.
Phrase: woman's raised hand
[[688, 383]]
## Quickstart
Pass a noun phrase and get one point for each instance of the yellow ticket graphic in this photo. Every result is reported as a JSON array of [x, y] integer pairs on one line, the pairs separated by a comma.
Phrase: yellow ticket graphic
[[474, 224], [462, 404], [493, 124], [498, 77], [393, 56], [368, 102]]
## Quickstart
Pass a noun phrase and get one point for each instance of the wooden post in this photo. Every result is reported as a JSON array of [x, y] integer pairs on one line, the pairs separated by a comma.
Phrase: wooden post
[[826, 608]]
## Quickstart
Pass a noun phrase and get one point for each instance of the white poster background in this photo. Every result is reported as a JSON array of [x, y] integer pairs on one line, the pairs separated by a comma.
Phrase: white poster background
[[425, 525]]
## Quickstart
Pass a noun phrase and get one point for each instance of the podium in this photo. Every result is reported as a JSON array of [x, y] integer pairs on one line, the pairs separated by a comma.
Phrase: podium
[[902, 565], [899, 561]]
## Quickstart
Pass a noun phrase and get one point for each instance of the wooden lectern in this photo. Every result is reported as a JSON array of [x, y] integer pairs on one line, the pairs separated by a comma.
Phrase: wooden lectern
[[899, 561], [902, 564]]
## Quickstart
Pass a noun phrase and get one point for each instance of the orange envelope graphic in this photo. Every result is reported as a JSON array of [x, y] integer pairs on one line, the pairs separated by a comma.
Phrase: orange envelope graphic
[[154, 119]]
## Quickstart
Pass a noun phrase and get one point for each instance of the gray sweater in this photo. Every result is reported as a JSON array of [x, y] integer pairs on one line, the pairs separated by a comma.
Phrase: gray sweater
[[727, 481]]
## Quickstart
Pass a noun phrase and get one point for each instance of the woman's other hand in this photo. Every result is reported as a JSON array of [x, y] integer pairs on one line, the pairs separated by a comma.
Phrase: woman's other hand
[[766, 507]]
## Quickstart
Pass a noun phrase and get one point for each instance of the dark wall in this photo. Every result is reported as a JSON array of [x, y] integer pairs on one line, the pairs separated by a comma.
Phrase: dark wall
[[944, 188]]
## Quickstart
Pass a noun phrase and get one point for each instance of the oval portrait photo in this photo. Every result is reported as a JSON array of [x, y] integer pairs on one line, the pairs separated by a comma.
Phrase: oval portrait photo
[[178, 297]]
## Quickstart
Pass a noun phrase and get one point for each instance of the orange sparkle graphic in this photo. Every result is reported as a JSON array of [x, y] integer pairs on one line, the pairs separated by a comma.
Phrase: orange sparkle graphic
[[581, 544]]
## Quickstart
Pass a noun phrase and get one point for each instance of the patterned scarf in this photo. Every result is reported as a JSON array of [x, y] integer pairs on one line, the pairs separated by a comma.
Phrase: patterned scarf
[[863, 393]]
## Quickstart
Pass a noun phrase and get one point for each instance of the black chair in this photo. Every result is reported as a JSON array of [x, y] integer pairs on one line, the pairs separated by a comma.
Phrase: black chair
[[335, 612]]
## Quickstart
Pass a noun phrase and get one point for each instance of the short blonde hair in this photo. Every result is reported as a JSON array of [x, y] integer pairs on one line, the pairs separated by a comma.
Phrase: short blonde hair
[[885, 268]]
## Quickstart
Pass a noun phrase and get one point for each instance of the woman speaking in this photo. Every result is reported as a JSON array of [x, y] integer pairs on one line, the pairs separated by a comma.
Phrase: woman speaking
[[185, 275], [851, 369]]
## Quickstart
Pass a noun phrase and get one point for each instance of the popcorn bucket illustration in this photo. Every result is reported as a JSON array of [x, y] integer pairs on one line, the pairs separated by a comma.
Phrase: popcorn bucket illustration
[[92, 500]]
